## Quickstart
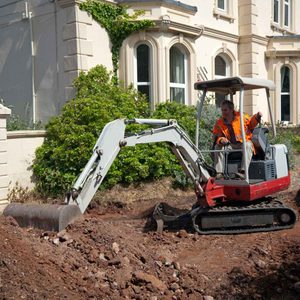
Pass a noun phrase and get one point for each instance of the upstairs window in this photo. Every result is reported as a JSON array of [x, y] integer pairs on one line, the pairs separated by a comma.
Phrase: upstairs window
[[282, 14], [222, 5], [143, 82], [177, 75], [287, 13], [223, 9], [276, 11]]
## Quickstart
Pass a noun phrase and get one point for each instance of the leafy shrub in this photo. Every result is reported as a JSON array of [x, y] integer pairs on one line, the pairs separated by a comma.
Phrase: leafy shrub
[[185, 115], [208, 119], [294, 136], [296, 143], [289, 137], [72, 135], [14, 122]]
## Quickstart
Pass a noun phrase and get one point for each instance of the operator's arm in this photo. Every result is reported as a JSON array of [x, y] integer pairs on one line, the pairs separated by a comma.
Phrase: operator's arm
[[253, 121], [218, 135]]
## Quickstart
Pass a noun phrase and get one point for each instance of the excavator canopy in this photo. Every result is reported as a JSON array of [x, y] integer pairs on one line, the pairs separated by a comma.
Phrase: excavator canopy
[[233, 84]]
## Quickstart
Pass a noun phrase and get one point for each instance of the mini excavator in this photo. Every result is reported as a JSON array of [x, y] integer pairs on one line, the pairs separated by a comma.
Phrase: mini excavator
[[223, 206]]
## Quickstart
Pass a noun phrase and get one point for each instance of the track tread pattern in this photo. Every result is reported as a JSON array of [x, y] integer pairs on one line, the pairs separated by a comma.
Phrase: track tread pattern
[[274, 206], [168, 217]]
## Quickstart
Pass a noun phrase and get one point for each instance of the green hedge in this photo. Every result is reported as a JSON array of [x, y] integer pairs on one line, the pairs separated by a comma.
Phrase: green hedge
[[291, 138]]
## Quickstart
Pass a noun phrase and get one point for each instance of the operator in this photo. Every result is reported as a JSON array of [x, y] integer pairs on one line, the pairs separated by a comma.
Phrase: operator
[[227, 132]]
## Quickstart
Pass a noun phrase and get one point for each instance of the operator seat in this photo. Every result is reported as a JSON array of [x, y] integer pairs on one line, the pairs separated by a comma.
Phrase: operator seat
[[262, 147], [260, 142]]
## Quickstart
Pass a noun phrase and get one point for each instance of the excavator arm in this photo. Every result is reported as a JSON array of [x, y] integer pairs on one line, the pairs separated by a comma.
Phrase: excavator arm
[[113, 138], [106, 149]]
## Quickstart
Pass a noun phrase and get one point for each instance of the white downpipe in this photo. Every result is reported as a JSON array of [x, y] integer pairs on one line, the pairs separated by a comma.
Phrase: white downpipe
[[28, 14]]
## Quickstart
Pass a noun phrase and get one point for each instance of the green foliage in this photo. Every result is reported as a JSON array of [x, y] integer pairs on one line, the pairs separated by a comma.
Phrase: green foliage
[[118, 24], [185, 115], [296, 143], [210, 113], [291, 138], [14, 122], [295, 138], [72, 135]]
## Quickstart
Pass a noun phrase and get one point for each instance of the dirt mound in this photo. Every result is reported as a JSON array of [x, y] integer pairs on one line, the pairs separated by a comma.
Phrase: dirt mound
[[108, 255]]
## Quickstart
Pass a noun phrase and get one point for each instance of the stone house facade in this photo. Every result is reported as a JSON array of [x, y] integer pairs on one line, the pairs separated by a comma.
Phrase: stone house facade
[[46, 43]]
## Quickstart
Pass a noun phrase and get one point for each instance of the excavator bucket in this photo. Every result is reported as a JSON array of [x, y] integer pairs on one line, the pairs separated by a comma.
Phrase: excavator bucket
[[46, 216]]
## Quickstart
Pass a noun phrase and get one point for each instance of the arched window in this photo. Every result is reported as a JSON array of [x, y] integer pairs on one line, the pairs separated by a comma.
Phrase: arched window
[[222, 69], [285, 97], [177, 75], [143, 76], [220, 66]]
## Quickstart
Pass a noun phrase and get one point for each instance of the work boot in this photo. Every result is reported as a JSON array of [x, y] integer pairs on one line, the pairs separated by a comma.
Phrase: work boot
[[240, 174], [219, 176]]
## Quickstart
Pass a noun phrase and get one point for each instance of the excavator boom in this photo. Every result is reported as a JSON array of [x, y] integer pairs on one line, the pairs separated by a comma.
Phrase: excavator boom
[[106, 149], [113, 138]]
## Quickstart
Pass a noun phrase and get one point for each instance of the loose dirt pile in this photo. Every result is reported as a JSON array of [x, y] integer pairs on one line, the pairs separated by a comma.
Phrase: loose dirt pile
[[108, 255]]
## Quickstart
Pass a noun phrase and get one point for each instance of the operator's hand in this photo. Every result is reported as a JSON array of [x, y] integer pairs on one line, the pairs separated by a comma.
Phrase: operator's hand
[[224, 141], [258, 116]]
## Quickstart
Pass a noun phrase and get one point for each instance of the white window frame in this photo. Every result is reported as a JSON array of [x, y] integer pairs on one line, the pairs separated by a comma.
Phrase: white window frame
[[180, 85], [286, 94], [283, 23], [225, 9], [278, 11], [227, 67], [140, 83], [225, 13], [287, 5]]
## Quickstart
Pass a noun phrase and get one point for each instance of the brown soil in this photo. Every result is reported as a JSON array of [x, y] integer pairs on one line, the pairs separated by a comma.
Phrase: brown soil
[[108, 255]]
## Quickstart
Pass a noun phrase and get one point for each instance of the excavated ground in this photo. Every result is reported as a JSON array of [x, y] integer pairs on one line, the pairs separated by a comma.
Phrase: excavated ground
[[108, 255]]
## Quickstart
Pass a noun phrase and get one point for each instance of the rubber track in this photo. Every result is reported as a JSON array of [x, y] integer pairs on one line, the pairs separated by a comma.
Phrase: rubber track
[[274, 206]]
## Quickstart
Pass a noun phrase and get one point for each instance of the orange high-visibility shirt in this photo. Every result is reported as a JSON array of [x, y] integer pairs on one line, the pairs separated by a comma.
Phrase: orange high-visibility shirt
[[221, 129]]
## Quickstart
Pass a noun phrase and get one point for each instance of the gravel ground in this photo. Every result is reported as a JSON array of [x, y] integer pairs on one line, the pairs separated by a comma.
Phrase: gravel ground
[[108, 255]]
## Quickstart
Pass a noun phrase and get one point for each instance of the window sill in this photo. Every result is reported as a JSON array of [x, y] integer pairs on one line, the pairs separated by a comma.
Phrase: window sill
[[278, 28], [223, 15]]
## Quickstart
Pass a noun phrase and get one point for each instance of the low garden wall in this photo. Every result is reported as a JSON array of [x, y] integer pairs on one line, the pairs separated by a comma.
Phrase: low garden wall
[[21, 146]]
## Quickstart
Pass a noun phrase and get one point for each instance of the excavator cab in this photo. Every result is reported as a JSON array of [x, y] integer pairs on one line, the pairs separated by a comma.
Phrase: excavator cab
[[231, 205], [230, 87], [269, 166]]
